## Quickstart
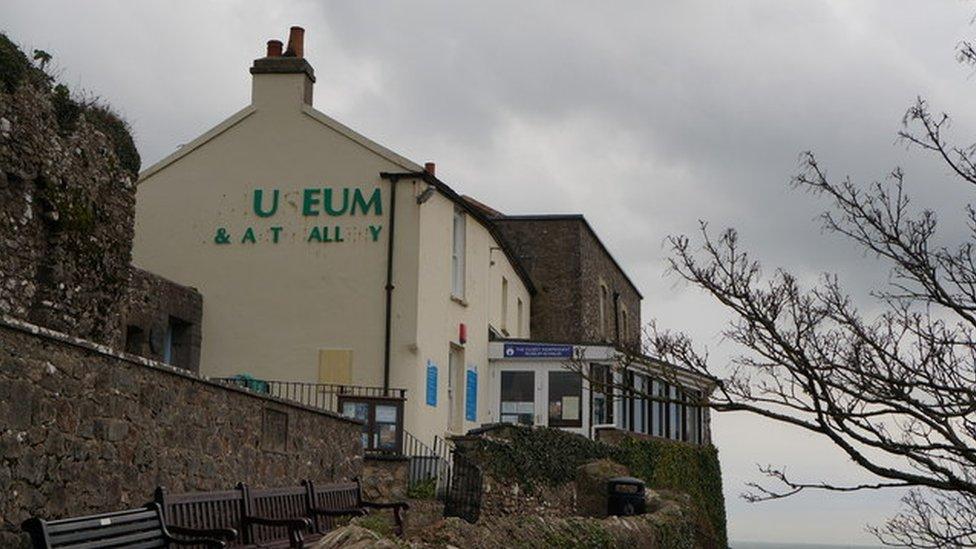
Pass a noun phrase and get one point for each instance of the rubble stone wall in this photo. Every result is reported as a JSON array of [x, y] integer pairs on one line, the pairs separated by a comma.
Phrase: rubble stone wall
[[85, 429]]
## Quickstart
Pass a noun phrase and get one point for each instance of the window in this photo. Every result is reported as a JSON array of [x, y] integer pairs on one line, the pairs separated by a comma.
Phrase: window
[[658, 410], [518, 318], [623, 325], [601, 393], [565, 396], [640, 404], [457, 255], [176, 343], [135, 338], [518, 398], [504, 305], [603, 311], [693, 418], [675, 414]]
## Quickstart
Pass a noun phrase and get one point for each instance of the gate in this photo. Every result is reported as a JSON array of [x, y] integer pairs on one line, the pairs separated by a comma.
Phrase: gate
[[462, 498]]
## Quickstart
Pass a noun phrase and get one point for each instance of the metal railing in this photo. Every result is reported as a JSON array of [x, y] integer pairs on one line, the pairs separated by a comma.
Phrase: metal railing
[[325, 396], [380, 434]]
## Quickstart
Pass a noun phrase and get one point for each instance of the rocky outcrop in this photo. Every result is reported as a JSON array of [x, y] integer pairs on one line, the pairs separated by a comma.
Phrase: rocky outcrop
[[66, 206]]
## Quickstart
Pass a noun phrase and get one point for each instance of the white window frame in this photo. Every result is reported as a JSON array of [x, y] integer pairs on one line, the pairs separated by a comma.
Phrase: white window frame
[[458, 253]]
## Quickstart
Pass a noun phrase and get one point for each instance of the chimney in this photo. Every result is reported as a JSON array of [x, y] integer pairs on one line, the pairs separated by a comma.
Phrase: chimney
[[430, 168], [296, 43], [274, 48], [283, 78]]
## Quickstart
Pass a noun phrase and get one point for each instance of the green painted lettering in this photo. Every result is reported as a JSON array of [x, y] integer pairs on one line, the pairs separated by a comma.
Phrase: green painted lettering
[[375, 202], [338, 235], [327, 201], [222, 237], [310, 201], [259, 199], [275, 231], [325, 234], [374, 231], [248, 236], [315, 235]]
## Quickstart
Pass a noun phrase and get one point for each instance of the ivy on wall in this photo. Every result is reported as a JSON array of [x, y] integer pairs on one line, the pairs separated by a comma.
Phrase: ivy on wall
[[539, 457]]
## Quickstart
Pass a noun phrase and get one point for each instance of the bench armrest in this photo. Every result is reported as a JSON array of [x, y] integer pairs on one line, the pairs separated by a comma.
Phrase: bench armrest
[[228, 534], [353, 512]]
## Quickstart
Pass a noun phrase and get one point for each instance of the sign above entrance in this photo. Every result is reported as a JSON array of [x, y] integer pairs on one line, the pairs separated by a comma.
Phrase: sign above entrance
[[538, 350]]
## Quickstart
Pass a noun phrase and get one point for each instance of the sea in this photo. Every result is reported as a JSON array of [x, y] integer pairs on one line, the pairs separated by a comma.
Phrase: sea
[[774, 545]]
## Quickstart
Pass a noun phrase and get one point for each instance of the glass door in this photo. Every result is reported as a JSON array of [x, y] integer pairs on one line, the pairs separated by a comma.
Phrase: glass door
[[517, 397]]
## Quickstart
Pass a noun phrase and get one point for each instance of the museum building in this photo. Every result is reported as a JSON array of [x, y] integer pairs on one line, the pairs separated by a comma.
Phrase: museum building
[[334, 270]]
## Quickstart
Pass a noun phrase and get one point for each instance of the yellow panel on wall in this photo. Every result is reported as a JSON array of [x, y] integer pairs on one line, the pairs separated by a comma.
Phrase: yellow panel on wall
[[335, 366]]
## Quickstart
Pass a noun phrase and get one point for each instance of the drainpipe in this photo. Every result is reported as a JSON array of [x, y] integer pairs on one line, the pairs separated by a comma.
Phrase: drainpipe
[[393, 178], [389, 285]]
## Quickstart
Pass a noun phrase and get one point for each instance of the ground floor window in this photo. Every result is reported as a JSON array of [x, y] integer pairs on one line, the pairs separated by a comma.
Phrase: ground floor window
[[518, 398], [565, 399], [601, 376]]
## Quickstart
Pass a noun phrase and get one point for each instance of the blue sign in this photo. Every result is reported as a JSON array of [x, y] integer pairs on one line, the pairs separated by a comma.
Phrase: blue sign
[[471, 396], [538, 350], [431, 383]]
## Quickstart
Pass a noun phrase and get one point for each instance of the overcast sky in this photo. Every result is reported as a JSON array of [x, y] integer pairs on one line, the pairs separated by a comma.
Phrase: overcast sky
[[644, 116]]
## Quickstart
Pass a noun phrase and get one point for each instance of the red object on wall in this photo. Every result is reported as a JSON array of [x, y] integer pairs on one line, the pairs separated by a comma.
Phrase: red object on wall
[[462, 333]]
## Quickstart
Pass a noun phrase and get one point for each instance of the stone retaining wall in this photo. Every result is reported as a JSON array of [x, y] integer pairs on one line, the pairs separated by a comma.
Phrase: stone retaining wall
[[85, 429]]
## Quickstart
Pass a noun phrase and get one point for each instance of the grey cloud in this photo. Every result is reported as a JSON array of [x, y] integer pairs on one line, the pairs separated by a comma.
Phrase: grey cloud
[[645, 116]]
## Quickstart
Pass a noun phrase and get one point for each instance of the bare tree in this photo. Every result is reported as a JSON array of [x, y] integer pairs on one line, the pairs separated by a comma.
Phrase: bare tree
[[896, 391]]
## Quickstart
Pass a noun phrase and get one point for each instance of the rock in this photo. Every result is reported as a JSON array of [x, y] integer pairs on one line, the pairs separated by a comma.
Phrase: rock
[[353, 537], [591, 485]]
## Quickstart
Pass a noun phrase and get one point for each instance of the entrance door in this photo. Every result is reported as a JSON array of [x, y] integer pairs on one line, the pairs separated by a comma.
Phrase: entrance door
[[517, 397], [564, 403], [455, 390]]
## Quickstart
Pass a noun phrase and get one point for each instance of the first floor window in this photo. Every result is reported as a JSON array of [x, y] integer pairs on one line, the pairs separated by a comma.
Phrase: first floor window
[[565, 395], [518, 398], [457, 255]]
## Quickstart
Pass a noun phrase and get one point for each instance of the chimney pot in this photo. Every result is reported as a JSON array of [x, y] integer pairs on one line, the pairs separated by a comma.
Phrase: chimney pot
[[429, 167], [274, 48], [296, 43]]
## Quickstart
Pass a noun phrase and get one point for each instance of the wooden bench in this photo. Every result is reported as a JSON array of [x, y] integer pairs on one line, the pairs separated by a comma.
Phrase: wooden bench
[[135, 528], [215, 514], [288, 516], [276, 517], [346, 498], [272, 517]]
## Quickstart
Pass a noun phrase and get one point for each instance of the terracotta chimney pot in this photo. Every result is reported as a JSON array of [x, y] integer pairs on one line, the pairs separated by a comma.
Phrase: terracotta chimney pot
[[296, 43], [274, 48]]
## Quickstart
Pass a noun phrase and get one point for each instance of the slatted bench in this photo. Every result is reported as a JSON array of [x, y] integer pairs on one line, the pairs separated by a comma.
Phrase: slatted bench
[[346, 498], [135, 528], [289, 516]]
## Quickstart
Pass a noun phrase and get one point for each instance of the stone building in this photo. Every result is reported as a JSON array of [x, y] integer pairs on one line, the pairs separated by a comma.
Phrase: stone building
[[583, 294]]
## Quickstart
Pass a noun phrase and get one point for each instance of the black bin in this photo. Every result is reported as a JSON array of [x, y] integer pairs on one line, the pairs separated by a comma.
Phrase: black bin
[[625, 496]]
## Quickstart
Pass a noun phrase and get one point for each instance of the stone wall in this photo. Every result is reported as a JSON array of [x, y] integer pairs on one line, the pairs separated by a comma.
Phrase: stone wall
[[158, 309], [385, 478], [84, 429], [567, 264], [66, 206]]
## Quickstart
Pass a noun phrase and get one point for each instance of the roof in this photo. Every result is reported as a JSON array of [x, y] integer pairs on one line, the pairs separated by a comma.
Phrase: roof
[[572, 217], [477, 213]]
